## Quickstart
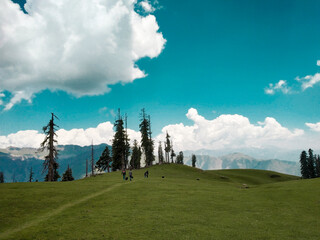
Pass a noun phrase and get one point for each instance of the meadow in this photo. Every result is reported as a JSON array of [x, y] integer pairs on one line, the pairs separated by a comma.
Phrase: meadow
[[175, 202]]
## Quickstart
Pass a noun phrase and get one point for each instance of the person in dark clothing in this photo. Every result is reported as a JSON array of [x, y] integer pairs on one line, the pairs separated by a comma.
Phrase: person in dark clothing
[[130, 175], [124, 174], [146, 174]]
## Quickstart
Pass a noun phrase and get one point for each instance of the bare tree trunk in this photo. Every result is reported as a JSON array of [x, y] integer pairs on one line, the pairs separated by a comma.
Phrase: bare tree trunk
[[92, 161], [86, 167], [51, 154]]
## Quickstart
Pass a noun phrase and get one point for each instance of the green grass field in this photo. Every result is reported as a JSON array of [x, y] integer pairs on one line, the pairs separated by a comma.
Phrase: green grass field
[[178, 206]]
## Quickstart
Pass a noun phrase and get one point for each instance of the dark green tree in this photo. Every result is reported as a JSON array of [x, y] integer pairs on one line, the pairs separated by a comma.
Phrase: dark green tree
[[160, 153], [50, 162], [1, 177], [56, 175], [135, 156], [104, 161], [67, 175], [310, 163], [147, 143], [31, 175], [172, 154], [118, 145], [180, 158], [127, 144], [193, 159], [304, 165], [167, 148], [317, 170]]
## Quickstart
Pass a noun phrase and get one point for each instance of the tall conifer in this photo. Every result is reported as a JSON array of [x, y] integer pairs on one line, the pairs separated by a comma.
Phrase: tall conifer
[[104, 161], [50, 162], [317, 170], [160, 153], [146, 138], [304, 165], [135, 156], [193, 159], [31, 175], [310, 163], [119, 146]]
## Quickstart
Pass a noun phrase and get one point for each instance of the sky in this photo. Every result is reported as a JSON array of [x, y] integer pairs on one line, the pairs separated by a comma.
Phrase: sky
[[214, 74]]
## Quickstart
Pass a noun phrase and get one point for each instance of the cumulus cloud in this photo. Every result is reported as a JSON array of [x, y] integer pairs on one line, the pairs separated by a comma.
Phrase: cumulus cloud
[[314, 126], [280, 86], [223, 132], [103, 133], [78, 46], [318, 63], [228, 131], [309, 81], [147, 7]]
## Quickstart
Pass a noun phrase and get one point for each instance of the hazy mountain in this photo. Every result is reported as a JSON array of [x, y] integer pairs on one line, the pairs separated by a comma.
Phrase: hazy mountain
[[242, 161], [258, 153], [16, 162]]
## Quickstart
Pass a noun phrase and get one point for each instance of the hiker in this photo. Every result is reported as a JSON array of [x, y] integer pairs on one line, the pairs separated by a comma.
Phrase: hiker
[[146, 174], [130, 174], [124, 174]]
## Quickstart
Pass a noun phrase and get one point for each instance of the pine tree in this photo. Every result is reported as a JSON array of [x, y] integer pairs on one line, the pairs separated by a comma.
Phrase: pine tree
[[104, 161], [67, 175], [318, 166], [310, 163], [146, 138], [167, 148], [50, 162], [56, 175], [127, 144], [160, 153], [172, 154], [304, 165], [1, 177], [180, 158], [135, 156], [119, 146], [194, 160], [31, 175]]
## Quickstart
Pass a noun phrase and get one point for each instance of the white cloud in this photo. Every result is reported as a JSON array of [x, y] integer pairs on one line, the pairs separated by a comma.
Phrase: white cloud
[[309, 81], [224, 132], [2, 95], [229, 131], [147, 7], [280, 86], [314, 126], [318, 63], [103, 133], [78, 46], [18, 96]]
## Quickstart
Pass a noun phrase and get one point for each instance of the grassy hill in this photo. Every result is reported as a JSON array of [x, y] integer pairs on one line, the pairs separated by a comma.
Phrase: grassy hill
[[178, 206]]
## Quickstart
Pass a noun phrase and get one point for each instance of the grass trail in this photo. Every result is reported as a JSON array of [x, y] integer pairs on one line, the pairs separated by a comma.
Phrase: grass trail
[[57, 211]]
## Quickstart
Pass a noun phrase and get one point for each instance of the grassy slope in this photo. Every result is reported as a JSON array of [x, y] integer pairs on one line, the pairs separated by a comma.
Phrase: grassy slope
[[175, 207]]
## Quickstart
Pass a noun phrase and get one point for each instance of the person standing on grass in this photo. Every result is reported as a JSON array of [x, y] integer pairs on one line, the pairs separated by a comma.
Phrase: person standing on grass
[[130, 174], [124, 174], [146, 174]]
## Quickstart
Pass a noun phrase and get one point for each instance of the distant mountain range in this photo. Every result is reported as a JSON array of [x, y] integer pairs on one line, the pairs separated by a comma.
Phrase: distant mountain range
[[242, 161], [16, 162]]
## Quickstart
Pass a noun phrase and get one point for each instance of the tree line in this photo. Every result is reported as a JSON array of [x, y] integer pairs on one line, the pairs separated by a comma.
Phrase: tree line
[[121, 150], [309, 164]]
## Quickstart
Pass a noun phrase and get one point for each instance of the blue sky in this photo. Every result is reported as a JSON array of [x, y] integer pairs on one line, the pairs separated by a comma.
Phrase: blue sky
[[219, 57]]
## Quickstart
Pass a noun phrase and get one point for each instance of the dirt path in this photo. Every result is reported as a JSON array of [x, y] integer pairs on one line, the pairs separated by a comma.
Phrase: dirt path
[[54, 212]]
